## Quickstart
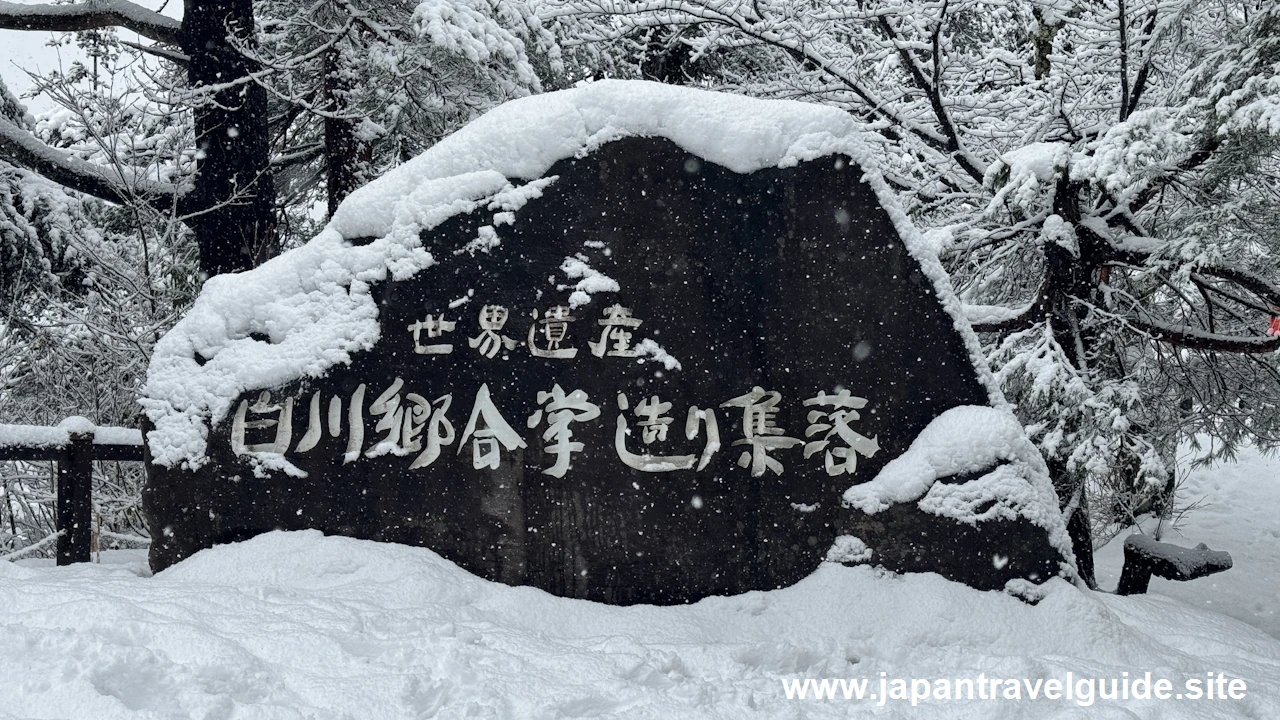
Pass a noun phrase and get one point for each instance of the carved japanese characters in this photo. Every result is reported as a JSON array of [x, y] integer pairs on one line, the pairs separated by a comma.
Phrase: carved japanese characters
[[416, 424]]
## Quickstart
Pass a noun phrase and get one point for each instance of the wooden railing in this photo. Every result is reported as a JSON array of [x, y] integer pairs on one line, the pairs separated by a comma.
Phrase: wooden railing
[[73, 446]]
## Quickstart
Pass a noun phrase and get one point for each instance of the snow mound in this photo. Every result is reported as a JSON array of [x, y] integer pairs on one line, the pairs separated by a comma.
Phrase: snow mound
[[1020, 177], [1007, 478], [849, 549], [302, 313], [298, 625]]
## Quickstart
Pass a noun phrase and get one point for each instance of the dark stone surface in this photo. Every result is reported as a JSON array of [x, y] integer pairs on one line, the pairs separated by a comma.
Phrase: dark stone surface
[[793, 280], [1145, 556], [983, 555]]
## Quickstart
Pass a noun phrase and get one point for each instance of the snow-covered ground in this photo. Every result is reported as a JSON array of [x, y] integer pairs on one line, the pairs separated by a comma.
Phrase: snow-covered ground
[[297, 625]]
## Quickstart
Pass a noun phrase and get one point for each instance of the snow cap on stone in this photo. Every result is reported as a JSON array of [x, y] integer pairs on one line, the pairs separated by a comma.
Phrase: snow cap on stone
[[309, 309]]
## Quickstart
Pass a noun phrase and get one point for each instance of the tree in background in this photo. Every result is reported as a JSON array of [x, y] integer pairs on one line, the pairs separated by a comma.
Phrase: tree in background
[[1099, 175], [168, 163], [86, 288], [356, 90], [283, 95], [228, 202]]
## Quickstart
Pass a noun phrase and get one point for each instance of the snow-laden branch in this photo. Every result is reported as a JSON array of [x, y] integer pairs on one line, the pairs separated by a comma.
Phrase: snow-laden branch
[[1249, 281], [997, 318], [933, 91], [90, 15], [1189, 163], [158, 51], [31, 548], [1189, 337], [741, 20], [24, 149]]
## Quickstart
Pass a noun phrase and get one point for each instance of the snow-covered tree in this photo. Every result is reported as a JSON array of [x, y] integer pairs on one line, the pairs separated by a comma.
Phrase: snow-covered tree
[[86, 289], [357, 88], [229, 202], [283, 94]]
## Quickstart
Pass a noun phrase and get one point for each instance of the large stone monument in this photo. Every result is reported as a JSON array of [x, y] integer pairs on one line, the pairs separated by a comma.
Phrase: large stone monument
[[627, 342]]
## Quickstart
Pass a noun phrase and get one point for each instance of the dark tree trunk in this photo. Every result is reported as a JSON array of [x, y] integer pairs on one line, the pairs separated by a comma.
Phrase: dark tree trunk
[[1069, 274], [346, 156], [1042, 41], [1081, 532], [233, 214]]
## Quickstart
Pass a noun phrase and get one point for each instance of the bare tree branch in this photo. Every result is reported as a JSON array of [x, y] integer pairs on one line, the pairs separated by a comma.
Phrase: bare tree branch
[[90, 15], [1189, 338], [158, 51], [933, 91], [22, 148]]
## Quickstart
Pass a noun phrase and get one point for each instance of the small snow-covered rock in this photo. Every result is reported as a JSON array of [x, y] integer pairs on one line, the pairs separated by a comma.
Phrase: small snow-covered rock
[[849, 549]]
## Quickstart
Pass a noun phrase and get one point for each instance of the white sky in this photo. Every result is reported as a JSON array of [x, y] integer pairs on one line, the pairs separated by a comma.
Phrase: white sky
[[29, 50]]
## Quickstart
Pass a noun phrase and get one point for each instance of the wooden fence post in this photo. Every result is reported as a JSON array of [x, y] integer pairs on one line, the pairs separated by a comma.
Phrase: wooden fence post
[[75, 499], [83, 444]]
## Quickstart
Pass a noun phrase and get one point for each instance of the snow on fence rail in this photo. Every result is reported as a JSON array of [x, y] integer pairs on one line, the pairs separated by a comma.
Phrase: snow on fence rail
[[73, 445]]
